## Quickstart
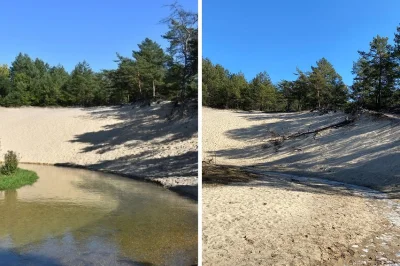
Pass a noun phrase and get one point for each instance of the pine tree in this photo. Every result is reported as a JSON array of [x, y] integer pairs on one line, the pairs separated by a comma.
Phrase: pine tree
[[182, 36], [150, 65], [81, 86], [375, 73], [328, 89]]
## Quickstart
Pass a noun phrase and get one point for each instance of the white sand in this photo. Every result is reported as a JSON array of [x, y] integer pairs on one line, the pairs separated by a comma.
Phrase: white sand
[[278, 221], [353, 154], [127, 140]]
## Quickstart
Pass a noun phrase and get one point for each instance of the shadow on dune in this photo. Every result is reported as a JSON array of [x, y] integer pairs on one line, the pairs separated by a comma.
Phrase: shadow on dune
[[288, 123], [149, 130], [178, 166], [146, 124], [239, 176], [366, 153]]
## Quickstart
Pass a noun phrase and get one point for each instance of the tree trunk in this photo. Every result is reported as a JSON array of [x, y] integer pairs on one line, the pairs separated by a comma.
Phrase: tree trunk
[[185, 55], [154, 89], [379, 94], [140, 84], [184, 78], [379, 85]]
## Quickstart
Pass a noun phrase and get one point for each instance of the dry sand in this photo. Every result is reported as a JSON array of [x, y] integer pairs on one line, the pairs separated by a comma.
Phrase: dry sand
[[279, 219], [130, 140], [366, 153]]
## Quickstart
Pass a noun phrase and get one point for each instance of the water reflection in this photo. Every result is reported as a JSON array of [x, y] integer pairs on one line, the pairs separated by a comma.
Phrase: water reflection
[[77, 217]]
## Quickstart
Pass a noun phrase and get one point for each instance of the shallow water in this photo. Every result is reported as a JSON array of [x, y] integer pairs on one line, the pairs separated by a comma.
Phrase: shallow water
[[79, 217]]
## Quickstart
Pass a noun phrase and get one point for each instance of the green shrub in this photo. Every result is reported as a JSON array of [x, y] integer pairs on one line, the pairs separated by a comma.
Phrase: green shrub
[[351, 108], [10, 163]]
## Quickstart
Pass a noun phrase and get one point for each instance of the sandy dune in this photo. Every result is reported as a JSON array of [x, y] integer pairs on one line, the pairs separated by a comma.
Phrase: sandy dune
[[128, 140], [287, 220], [353, 154]]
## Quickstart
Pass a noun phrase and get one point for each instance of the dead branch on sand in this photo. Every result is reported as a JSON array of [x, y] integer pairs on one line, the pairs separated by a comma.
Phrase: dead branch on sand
[[277, 142], [347, 121]]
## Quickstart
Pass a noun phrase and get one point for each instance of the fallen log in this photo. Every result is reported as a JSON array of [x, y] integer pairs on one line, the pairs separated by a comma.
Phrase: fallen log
[[336, 125], [277, 142]]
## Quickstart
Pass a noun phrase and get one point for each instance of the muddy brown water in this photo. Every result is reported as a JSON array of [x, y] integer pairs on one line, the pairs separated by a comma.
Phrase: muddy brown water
[[80, 217]]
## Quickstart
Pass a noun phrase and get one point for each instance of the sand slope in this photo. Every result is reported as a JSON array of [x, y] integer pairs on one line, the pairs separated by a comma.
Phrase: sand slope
[[288, 220], [354, 154], [127, 140]]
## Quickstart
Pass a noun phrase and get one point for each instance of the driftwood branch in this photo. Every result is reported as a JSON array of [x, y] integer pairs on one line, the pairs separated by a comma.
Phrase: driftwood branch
[[336, 125], [277, 142]]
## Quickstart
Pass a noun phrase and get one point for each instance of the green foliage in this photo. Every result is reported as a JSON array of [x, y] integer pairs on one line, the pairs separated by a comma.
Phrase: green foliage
[[149, 74], [263, 93], [17, 179], [81, 86], [321, 88], [183, 49], [376, 85], [351, 108], [327, 88], [5, 82], [4, 71], [150, 66], [10, 163], [376, 74]]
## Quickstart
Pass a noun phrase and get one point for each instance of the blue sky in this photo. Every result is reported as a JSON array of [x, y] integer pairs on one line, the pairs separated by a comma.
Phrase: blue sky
[[278, 36], [68, 32]]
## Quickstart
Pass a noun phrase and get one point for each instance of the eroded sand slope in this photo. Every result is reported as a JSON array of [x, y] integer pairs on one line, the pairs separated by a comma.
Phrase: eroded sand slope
[[131, 140], [366, 152]]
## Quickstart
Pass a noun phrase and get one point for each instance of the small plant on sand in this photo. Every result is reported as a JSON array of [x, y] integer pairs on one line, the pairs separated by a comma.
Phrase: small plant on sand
[[10, 163], [12, 177]]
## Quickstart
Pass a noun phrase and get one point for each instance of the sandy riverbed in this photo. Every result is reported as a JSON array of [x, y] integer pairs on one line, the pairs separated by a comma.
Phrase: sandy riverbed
[[276, 220], [130, 140]]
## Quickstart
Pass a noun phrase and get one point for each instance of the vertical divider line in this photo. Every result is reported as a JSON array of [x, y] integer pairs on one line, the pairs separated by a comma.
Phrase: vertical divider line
[[200, 116]]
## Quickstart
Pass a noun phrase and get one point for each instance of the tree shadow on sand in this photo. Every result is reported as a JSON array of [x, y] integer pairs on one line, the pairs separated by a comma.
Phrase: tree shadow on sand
[[177, 166], [288, 123], [366, 153], [136, 124], [150, 129], [215, 175], [147, 124]]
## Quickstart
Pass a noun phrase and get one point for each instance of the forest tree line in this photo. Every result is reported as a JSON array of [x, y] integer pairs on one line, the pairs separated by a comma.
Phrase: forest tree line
[[376, 84], [149, 74]]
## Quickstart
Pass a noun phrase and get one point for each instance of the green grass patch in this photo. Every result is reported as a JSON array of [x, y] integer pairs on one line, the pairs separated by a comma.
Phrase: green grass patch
[[18, 179]]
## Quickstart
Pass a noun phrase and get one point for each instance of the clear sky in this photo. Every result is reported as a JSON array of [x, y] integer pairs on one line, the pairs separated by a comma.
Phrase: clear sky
[[277, 36], [68, 32]]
